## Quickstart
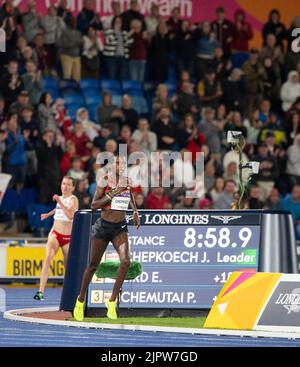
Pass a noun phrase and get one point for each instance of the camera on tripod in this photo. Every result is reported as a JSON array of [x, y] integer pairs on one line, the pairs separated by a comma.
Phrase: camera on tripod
[[234, 137]]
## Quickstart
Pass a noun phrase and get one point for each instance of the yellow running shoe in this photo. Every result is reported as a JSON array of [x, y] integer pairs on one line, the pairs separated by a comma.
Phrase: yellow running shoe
[[78, 312], [111, 310]]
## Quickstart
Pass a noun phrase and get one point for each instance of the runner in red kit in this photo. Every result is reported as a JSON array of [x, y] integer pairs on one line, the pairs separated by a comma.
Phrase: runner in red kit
[[60, 234]]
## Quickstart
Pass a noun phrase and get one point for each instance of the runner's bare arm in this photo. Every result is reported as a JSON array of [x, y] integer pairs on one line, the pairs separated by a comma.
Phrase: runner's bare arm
[[136, 218], [47, 215], [69, 212], [101, 198]]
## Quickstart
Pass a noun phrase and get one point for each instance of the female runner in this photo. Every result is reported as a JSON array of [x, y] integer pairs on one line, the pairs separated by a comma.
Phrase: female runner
[[60, 234], [114, 200]]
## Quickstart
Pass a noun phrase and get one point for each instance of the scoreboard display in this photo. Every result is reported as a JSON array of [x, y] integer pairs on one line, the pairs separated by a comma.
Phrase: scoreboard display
[[187, 256]]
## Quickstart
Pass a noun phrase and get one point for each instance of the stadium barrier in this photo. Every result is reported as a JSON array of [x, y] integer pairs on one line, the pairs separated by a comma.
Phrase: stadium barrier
[[257, 301], [187, 257]]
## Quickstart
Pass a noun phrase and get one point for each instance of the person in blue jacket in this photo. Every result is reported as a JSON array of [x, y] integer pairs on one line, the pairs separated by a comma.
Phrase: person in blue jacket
[[15, 160], [291, 202], [87, 17], [205, 45]]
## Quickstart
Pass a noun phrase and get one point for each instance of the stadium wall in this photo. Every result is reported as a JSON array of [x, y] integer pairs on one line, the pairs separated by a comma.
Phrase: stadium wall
[[196, 10]]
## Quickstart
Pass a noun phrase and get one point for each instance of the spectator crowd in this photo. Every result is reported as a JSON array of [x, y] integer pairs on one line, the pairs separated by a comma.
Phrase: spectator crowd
[[74, 86]]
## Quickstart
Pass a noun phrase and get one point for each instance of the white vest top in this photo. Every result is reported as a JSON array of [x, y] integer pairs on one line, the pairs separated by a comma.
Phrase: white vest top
[[59, 213]]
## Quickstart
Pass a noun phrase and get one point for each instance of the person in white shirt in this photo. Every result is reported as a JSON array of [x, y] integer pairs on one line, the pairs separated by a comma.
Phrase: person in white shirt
[[91, 129], [153, 20], [60, 234], [144, 137], [290, 90], [293, 161]]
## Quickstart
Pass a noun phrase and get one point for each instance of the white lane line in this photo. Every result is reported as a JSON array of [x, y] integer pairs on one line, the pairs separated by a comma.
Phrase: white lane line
[[18, 315]]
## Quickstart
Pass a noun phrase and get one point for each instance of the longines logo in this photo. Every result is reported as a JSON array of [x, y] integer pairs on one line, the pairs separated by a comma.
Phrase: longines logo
[[129, 218], [290, 301], [182, 219], [176, 219], [226, 218]]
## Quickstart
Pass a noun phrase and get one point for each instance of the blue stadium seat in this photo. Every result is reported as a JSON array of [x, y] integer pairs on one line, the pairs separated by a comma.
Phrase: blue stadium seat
[[34, 212], [172, 74], [171, 87], [92, 108], [73, 99], [135, 92], [175, 118], [132, 87], [117, 100], [149, 100], [140, 104], [92, 189], [238, 59], [72, 109], [53, 91], [10, 202], [112, 85], [91, 92], [149, 88], [172, 78], [49, 82], [93, 99], [89, 83], [39, 227], [67, 83], [68, 86], [27, 196]]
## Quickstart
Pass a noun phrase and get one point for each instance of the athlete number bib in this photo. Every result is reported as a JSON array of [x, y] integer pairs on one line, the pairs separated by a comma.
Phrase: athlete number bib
[[121, 202]]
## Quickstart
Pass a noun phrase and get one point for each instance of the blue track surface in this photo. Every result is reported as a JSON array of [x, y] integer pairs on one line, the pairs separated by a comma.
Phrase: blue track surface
[[19, 334]]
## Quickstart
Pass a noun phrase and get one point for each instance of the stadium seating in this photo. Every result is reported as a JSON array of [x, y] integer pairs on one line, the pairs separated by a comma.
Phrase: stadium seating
[[27, 196], [172, 74], [49, 82], [92, 108], [53, 91], [132, 87], [72, 109], [171, 87], [39, 227], [149, 88], [91, 92], [111, 85], [68, 86], [89, 83], [10, 202], [117, 99], [238, 59], [140, 104], [92, 189], [73, 98], [135, 92], [91, 99]]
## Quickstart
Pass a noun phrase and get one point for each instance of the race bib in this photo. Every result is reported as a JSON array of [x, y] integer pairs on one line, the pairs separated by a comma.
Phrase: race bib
[[120, 202]]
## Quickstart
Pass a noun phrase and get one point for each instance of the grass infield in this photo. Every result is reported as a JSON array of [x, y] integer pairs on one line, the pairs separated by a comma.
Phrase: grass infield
[[185, 322]]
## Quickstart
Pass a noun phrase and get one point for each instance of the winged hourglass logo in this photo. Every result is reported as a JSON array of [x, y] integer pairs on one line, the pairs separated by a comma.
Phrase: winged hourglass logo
[[226, 218]]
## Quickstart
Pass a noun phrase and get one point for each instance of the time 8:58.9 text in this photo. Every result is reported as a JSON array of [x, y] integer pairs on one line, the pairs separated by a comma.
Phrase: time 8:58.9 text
[[217, 237]]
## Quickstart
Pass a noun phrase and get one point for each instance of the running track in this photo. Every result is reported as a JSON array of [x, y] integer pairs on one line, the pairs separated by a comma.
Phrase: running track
[[20, 334]]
